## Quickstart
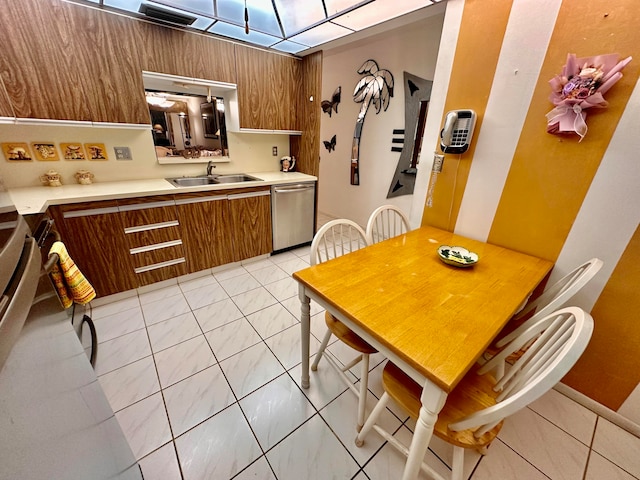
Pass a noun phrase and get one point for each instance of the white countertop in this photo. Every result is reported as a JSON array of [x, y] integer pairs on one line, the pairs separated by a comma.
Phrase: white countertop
[[29, 200]]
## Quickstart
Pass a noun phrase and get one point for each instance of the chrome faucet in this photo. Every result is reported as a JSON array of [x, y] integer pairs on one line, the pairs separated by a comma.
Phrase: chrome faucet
[[210, 167]]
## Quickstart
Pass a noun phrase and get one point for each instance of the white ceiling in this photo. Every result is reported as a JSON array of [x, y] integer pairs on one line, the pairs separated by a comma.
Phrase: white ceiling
[[291, 26]]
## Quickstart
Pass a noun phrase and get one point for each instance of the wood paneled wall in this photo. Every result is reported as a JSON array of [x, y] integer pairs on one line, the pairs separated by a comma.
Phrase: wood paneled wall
[[306, 148]]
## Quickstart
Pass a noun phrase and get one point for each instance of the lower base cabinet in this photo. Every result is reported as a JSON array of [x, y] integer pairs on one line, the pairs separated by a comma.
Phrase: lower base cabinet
[[251, 224], [206, 229], [125, 244], [93, 235]]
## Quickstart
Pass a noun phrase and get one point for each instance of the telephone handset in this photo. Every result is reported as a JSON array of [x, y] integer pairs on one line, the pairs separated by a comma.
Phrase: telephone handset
[[456, 134]]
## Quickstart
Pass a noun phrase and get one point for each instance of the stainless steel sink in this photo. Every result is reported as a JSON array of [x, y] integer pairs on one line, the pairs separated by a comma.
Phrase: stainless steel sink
[[212, 180], [235, 178]]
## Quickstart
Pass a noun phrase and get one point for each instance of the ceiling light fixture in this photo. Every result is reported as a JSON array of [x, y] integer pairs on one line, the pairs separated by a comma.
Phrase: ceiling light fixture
[[246, 18], [159, 101]]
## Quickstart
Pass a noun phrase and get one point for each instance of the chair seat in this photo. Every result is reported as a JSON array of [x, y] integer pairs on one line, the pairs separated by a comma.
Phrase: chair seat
[[473, 393], [346, 335]]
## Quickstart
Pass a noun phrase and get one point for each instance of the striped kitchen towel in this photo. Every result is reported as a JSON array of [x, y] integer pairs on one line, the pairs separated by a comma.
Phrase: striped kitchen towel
[[71, 284]]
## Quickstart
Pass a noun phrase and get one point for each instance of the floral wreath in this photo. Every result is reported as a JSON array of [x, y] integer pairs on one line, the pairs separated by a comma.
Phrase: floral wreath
[[581, 85]]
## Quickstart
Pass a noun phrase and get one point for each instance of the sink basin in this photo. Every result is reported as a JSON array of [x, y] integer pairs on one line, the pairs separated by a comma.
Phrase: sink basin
[[192, 181], [235, 178], [212, 180]]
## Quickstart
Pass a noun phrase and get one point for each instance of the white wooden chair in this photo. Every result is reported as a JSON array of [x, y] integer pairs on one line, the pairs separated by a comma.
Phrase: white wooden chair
[[385, 222], [552, 298], [332, 240], [475, 410]]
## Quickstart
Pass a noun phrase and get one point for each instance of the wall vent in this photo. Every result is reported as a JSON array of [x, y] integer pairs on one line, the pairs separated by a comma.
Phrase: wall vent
[[156, 13]]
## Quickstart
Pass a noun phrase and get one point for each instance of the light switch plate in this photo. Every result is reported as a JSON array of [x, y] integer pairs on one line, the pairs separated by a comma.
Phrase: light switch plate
[[274, 151], [123, 153]]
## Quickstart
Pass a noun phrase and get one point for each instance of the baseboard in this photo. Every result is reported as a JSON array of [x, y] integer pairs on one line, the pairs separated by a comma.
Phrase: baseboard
[[605, 412]]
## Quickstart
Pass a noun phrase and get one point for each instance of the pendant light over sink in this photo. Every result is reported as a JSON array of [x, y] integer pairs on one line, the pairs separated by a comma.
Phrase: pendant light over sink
[[246, 18]]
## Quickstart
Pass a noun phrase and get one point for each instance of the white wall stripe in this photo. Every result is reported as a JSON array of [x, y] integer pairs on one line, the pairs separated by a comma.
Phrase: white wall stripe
[[609, 214], [527, 37], [446, 54]]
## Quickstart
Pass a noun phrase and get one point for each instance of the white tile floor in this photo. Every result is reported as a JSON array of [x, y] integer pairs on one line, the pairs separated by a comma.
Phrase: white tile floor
[[203, 376]]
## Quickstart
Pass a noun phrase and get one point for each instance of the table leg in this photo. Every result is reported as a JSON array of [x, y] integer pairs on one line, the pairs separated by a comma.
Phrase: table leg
[[432, 399], [305, 324]]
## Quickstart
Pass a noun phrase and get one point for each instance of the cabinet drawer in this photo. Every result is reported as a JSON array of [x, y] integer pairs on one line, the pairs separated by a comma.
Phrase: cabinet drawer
[[161, 233], [156, 210], [162, 254], [161, 272]]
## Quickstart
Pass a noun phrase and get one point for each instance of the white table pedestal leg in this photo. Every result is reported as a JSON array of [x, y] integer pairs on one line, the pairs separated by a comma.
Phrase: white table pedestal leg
[[432, 399], [305, 324]]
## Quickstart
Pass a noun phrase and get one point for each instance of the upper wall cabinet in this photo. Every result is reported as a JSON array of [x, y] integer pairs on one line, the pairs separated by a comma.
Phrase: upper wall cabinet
[[41, 73], [82, 67], [268, 89], [167, 50], [108, 47]]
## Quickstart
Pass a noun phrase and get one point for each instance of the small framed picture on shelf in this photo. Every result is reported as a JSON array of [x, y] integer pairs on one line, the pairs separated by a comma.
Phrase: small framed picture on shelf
[[73, 151], [45, 151], [16, 152], [96, 151]]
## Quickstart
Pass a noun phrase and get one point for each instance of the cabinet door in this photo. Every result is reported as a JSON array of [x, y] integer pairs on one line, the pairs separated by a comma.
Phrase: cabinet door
[[268, 89], [176, 52], [108, 48], [206, 230], [93, 235], [153, 235], [251, 217], [41, 72]]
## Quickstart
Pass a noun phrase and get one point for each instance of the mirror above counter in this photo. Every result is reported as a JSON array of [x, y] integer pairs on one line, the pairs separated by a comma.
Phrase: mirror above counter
[[190, 117]]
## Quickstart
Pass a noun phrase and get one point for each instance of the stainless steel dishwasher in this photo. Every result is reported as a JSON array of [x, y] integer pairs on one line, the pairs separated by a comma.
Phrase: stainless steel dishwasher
[[292, 214]]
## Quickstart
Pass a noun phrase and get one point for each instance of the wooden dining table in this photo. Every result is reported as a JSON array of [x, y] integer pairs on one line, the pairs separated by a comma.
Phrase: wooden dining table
[[432, 319]]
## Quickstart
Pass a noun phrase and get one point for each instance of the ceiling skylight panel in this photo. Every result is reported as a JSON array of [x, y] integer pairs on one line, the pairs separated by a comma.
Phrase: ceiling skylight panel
[[233, 31], [296, 15], [261, 14], [337, 6], [321, 34], [378, 12], [289, 47]]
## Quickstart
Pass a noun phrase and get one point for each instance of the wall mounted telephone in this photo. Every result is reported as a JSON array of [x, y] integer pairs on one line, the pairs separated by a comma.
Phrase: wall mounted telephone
[[456, 134], [455, 138]]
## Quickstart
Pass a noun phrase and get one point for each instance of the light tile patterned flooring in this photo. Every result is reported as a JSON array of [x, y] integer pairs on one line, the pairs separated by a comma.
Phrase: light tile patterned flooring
[[203, 376]]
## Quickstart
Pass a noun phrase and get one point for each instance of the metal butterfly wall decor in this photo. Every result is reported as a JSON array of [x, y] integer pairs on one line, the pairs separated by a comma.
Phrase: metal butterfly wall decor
[[331, 144], [328, 105]]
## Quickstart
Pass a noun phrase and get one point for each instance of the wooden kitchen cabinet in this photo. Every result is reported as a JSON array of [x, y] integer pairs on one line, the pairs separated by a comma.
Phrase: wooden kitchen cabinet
[[269, 88], [206, 229], [40, 71], [153, 237], [92, 233], [165, 51], [251, 223], [108, 48]]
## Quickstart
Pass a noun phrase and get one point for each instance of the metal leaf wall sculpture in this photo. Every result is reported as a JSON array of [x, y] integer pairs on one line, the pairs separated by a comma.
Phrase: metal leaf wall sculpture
[[376, 88], [417, 92]]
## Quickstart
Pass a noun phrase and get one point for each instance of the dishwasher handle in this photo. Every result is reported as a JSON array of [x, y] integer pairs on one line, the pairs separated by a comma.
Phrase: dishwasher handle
[[292, 188]]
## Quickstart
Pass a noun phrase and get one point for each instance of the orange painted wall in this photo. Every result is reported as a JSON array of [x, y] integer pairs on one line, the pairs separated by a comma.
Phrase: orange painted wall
[[550, 174], [472, 75], [610, 368]]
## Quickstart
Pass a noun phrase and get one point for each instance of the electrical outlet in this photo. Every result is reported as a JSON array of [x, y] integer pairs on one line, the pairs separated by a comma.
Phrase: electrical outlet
[[274, 151], [123, 153]]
